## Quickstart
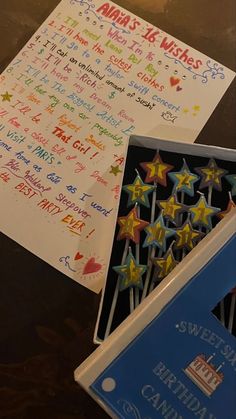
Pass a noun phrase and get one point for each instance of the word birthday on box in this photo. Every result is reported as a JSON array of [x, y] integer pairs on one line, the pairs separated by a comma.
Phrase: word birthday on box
[[92, 75]]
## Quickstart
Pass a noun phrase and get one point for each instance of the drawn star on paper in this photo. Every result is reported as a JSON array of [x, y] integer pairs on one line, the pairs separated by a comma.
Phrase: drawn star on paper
[[196, 108], [202, 212], [115, 170], [157, 234], [6, 97], [183, 180], [130, 226], [138, 192], [211, 175], [232, 180], [187, 236], [131, 273], [156, 170], [230, 206], [165, 265], [171, 208], [185, 110]]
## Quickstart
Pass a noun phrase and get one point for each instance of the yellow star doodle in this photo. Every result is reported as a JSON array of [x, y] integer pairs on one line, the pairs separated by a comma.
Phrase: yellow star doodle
[[165, 264], [115, 170], [6, 97]]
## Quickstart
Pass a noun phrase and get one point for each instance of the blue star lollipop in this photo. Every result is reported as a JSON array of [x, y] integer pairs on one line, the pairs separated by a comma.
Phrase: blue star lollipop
[[232, 180], [131, 273], [138, 192], [184, 180], [157, 234]]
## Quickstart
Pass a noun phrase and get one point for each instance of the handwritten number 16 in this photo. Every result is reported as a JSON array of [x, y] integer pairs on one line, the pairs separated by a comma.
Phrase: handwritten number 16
[[150, 34]]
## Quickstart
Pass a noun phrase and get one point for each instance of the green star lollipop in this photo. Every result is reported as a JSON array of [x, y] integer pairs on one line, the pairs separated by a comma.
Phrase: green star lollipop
[[131, 273], [232, 180]]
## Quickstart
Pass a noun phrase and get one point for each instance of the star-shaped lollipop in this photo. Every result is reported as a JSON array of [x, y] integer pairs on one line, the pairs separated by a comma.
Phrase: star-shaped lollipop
[[183, 180], [138, 192], [165, 265], [157, 234], [231, 205], [156, 170], [187, 236], [131, 273], [130, 226], [211, 175], [171, 208], [232, 180], [202, 212]]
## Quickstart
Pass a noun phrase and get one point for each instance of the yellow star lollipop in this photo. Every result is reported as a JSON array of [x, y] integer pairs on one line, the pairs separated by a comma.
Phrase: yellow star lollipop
[[187, 236], [211, 175], [171, 208], [156, 170], [202, 212], [165, 265], [130, 226], [138, 192], [131, 273]]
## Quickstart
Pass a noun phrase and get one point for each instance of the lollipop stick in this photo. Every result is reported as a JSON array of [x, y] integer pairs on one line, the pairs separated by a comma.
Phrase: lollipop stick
[[151, 250], [137, 251], [209, 194], [149, 271], [152, 284], [131, 299], [231, 313], [116, 293]]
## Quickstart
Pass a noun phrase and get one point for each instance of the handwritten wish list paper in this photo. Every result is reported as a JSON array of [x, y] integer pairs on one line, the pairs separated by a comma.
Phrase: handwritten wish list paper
[[92, 75]]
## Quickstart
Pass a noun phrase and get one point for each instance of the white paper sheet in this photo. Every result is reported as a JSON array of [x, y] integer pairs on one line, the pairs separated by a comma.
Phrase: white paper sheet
[[91, 76]]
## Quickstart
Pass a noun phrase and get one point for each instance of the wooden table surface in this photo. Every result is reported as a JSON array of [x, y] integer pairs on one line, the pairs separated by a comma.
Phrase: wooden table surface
[[46, 319]]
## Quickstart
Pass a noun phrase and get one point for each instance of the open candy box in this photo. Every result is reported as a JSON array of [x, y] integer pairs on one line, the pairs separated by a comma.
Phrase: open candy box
[[173, 195]]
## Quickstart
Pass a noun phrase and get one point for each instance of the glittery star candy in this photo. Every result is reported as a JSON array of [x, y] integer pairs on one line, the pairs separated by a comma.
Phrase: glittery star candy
[[171, 208], [138, 192], [211, 175], [187, 236], [130, 226], [164, 265], [232, 180], [202, 212], [131, 273], [156, 170], [183, 180], [157, 234]]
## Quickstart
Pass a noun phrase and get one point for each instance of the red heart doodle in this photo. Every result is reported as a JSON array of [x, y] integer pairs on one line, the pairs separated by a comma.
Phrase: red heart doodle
[[174, 81], [178, 89], [91, 267], [78, 256]]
